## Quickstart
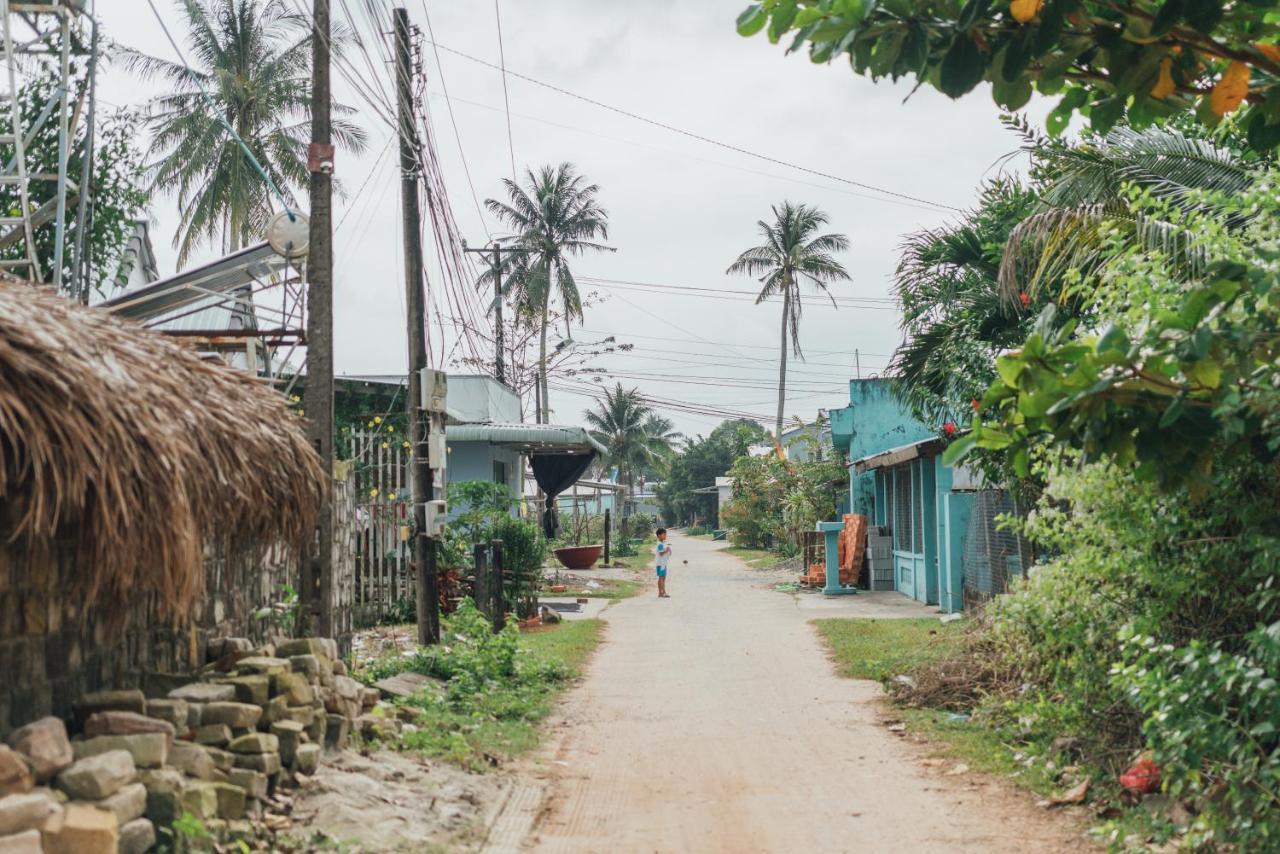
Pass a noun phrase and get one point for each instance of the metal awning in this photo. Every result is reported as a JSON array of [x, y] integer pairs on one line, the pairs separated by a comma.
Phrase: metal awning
[[197, 285], [901, 454], [528, 438]]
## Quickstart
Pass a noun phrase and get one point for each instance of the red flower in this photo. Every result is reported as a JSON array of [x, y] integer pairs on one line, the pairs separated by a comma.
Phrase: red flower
[[949, 428], [975, 404], [1142, 777], [1024, 299]]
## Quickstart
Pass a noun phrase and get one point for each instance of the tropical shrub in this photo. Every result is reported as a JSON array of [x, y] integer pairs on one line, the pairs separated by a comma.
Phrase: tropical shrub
[[524, 550]]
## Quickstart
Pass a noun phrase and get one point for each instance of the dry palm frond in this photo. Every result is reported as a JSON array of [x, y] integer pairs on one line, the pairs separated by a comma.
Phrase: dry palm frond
[[139, 452]]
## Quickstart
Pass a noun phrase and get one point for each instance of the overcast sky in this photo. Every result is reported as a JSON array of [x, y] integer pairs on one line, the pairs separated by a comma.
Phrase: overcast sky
[[680, 209]]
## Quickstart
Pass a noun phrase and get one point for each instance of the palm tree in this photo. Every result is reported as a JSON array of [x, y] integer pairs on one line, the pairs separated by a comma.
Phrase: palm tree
[[955, 318], [792, 253], [1084, 202], [253, 58], [636, 437], [553, 217]]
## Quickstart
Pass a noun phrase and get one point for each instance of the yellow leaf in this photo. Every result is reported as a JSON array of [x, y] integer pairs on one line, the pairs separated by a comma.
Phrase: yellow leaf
[[1230, 90], [1270, 51], [1164, 85], [1025, 11]]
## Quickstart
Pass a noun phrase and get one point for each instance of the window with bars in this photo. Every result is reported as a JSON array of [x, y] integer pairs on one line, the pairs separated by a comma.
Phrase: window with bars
[[917, 508], [903, 495]]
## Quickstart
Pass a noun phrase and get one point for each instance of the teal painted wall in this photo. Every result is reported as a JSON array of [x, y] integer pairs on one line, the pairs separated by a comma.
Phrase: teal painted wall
[[957, 507], [874, 421]]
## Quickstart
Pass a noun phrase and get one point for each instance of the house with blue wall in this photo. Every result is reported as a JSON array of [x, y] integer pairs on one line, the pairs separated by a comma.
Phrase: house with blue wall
[[897, 479]]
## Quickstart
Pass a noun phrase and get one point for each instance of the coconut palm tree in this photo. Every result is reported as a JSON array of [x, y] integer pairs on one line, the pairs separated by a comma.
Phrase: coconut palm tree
[[636, 437], [1085, 205], [253, 59], [553, 217], [792, 253]]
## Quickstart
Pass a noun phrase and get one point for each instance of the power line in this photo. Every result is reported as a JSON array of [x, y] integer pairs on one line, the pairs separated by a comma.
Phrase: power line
[[697, 136], [684, 154], [874, 303], [217, 113], [506, 100]]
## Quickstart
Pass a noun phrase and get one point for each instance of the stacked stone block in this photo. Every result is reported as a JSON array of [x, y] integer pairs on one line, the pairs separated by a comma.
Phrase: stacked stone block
[[218, 747]]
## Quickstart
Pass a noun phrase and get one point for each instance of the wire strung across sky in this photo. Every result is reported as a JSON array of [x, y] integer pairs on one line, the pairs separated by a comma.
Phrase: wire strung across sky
[[697, 136]]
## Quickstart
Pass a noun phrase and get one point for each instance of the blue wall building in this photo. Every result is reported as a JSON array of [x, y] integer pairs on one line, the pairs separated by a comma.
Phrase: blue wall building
[[897, 480]]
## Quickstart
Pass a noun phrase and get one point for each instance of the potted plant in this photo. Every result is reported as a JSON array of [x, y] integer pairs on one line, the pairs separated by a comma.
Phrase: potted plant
[[578, 552]]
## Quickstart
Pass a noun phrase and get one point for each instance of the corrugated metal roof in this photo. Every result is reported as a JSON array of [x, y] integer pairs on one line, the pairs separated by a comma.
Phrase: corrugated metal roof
[[900, 454], [530, 438]]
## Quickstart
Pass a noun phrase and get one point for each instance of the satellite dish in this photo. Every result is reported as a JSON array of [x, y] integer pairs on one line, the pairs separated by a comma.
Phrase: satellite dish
[[289, 237]]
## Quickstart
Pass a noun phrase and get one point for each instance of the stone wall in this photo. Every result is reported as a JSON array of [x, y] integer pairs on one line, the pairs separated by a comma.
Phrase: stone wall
[[54, 648]]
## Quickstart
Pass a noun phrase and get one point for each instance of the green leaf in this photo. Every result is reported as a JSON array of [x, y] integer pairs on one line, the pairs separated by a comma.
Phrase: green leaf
[[1009, 368], [1012, 96], [1173, 412], [1204, 15], [784, 14], [1113, 339], [1169, 15], [958, 449], [1206, 372], [972, 11], [752, 20], [962, 68], [1264, 728]]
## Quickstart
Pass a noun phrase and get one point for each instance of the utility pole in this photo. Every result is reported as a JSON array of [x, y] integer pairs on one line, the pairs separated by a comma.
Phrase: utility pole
[[318, 391], [499, 365], [857, 363], [424, 547]]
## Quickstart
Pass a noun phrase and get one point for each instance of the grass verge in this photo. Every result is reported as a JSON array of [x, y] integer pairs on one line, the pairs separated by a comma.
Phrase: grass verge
[[606, 588], [754, 558], [492, 690], [882, 649]]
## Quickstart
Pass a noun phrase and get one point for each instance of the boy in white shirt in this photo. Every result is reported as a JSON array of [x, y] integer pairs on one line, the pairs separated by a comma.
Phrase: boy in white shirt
[[663, 557]]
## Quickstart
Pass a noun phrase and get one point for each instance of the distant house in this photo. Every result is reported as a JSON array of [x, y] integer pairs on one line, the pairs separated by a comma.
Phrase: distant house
[[897, 479]]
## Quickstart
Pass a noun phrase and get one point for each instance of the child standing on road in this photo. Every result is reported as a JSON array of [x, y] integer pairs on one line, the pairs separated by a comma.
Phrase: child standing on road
[[663, 557]]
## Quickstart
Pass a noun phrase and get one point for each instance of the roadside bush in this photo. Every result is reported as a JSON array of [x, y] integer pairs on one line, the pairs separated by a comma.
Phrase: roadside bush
[[524, 550], [698, 531], [1152, 628]]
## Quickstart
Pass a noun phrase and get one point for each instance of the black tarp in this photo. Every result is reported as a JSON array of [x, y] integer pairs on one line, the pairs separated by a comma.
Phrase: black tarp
[[555, 473]]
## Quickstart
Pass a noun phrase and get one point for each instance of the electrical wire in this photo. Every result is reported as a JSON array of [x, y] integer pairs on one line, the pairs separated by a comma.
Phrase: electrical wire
[[506, 99], [697, 136], [217, 113]]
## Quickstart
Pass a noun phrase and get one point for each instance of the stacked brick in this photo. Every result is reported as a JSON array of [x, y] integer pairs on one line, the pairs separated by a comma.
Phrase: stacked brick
[[221, 747]]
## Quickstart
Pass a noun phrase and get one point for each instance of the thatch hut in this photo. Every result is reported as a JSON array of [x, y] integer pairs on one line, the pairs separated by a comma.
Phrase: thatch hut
[[147, 499]]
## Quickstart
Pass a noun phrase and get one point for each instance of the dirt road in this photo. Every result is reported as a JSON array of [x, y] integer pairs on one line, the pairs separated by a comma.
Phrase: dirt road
[[712, 721]]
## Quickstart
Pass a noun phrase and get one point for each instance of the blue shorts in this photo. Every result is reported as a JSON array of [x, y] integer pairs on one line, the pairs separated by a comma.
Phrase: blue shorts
[[662, 571]]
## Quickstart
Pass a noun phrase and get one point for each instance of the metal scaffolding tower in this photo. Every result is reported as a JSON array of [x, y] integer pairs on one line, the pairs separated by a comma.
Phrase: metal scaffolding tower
[[40, 39]]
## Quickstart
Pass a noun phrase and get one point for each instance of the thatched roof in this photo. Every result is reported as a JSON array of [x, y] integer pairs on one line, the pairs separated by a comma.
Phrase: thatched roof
[[139, 451]]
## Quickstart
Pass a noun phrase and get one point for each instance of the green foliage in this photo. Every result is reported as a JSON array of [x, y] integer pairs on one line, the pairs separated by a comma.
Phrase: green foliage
[[775, 499], [524, 550], [118, 198], [698, 531], [697, 466], [955, 319], [637, 438], [284, 613], [495, 687], [1158, 635], [1136, 60], [1174, 375]]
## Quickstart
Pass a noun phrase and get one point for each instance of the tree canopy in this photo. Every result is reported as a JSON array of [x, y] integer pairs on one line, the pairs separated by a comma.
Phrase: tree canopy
[[1139, 61]]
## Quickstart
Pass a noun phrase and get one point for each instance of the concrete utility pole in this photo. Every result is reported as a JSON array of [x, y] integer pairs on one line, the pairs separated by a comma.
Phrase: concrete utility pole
[[317, 397], [499, 365], [424, 547]]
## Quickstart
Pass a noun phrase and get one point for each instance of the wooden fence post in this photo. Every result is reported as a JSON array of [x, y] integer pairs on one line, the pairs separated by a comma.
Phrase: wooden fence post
[[498, 602], [482, 598], [607, 515]]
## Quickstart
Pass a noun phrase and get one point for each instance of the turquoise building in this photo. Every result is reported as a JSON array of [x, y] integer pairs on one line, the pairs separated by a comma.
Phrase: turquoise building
[[897, 479]]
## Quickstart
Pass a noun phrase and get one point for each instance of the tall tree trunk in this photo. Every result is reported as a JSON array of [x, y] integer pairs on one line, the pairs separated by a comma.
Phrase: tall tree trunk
[[782, 361], [543, 409]]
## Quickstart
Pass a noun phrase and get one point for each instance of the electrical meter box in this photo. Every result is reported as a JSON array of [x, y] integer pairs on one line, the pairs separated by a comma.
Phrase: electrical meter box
[[437, 511], [435, 389], [437, 451]]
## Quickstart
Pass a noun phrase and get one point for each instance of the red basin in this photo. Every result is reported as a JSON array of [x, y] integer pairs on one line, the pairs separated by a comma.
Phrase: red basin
[[578, 557]]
